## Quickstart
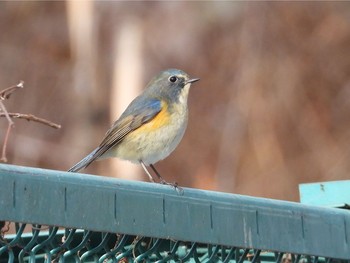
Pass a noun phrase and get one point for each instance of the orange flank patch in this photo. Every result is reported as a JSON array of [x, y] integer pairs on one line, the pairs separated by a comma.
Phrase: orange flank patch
[[160, 120]]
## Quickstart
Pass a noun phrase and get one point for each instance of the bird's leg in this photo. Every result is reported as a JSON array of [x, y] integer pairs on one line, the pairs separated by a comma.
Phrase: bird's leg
[[147, 172], [162, 181], [157, 174]]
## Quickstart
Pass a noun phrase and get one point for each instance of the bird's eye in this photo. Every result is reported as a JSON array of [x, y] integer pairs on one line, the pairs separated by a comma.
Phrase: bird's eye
[[173, 79]]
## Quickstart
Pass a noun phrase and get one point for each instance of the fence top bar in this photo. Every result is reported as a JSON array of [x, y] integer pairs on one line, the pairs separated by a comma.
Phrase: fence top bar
[[104, 204]]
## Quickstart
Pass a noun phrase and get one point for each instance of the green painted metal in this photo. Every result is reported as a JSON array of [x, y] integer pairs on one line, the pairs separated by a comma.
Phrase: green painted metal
[[331, 194], [108, 205]]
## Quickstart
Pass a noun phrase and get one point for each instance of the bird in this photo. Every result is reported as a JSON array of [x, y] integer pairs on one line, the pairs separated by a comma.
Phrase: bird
[[151, 127]]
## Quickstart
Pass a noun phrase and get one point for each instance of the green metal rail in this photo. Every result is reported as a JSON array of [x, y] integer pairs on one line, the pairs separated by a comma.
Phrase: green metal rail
[[111, 220]]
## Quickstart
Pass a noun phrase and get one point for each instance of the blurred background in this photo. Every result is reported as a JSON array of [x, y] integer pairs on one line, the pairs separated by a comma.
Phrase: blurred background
[[271, 111]]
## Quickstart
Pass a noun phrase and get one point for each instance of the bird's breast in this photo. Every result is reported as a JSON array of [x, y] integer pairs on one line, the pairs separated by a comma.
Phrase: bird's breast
[[156, 139]]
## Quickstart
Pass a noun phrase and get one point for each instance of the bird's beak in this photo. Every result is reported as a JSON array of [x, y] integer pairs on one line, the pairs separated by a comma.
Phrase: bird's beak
[[192, 80]]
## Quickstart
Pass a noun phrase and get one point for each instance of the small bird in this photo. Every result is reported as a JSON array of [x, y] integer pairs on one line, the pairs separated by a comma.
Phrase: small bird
[[151, 127]]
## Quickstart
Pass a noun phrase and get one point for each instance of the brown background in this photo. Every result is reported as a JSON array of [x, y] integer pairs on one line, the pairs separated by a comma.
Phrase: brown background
[[271, 111]]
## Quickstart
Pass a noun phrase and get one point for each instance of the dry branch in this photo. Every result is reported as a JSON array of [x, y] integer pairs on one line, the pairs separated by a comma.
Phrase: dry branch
[[30, 117], [4, 95], [9, 127]]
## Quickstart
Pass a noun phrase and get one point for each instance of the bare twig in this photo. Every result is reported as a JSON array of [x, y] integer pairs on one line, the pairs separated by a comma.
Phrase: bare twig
[[9, 127], [5, 113], [30, 117], [6, 93]]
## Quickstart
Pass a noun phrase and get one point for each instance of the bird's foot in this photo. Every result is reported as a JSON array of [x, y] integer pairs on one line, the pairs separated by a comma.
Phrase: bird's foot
[[174, 185]]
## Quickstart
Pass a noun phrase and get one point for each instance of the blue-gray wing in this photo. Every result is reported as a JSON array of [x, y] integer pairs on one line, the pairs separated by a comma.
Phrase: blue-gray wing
[[138, 112]]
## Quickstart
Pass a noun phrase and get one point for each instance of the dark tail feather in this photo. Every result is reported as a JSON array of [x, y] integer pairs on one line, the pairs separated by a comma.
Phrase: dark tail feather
[[84, 162]]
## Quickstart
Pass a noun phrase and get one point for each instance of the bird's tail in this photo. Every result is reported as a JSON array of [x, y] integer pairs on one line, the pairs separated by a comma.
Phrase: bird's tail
[[84, 162]]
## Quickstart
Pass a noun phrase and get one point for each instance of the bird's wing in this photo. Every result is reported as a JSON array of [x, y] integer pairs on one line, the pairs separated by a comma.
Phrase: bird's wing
[[133, 120], [138, 113]]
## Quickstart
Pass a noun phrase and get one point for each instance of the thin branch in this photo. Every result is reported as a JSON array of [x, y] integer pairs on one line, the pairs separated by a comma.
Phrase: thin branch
[[5, 113], [7, 135], [4, 147], [30, 117], [6, 93]]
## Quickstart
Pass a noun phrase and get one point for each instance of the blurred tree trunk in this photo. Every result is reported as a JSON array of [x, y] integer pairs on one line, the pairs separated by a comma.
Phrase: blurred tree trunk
[[127, 83], [88, 99]]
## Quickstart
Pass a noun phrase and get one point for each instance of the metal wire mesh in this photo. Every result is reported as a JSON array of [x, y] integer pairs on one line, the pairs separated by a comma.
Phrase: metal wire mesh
[[51, 244]]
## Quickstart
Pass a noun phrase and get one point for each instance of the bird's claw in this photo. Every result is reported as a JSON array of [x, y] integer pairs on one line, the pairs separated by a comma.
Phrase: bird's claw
[[175, 185]]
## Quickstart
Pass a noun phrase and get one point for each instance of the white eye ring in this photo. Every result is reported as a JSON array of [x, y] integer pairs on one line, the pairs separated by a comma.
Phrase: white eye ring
[[173, 79]]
